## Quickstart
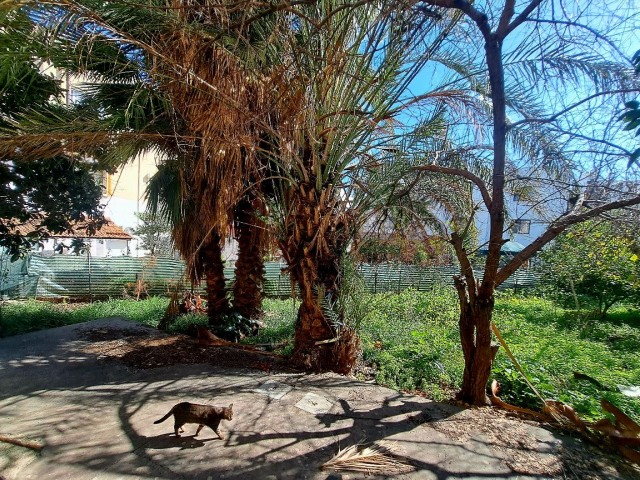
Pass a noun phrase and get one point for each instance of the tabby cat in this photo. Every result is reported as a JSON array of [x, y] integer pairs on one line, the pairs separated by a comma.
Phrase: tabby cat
[[208, 415]]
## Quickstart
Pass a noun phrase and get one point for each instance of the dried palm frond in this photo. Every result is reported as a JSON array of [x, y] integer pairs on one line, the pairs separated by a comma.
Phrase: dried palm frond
[[371, 460]]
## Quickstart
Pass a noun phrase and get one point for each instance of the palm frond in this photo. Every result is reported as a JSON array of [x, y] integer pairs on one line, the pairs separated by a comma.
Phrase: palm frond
[[373, 460]]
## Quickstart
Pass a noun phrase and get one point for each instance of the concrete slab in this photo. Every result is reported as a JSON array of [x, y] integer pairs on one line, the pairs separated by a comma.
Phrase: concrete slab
[[273, 389], [314, 403], [95, 418]]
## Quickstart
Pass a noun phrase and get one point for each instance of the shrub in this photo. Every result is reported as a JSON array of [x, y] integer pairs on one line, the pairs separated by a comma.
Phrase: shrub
[[596, 262]]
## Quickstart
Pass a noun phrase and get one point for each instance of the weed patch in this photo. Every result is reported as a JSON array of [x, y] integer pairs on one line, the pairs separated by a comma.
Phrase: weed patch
[[31, 315]]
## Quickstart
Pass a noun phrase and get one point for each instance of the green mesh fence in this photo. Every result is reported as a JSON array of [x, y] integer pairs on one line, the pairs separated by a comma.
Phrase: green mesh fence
[[70, 276]]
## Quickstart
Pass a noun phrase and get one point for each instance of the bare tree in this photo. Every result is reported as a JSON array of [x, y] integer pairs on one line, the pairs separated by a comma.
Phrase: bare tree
[[554, 72]]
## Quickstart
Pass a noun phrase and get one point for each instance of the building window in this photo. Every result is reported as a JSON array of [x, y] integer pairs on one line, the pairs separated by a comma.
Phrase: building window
[[105, 180], [521, 226]]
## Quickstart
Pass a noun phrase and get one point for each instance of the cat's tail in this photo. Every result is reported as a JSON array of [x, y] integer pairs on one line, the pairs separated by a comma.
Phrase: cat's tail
[[165, 417]]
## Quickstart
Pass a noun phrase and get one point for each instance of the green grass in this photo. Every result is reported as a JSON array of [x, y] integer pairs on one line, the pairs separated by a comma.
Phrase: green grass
[[412, 338], [552, 344], [279, 319], [31, 315]]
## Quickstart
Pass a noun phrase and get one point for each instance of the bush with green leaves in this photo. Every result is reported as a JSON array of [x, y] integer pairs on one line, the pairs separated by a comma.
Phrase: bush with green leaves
[[593, 262], [631, 115], [412, 339]]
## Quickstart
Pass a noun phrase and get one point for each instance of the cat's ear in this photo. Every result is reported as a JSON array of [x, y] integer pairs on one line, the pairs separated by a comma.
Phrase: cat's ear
[[231, 407]]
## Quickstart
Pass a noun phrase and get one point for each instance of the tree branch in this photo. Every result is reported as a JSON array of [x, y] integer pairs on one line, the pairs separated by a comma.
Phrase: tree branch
[[474, 14], [520, 18], [555, 229], [592, 31], [465, 264], [505, 18], [459, 172]]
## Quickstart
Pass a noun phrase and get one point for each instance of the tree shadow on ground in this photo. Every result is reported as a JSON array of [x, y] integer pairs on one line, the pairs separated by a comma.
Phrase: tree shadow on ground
[[97, 415]]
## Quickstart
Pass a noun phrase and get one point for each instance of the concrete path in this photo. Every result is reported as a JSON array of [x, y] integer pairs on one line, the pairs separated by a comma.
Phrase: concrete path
[[95, 417]]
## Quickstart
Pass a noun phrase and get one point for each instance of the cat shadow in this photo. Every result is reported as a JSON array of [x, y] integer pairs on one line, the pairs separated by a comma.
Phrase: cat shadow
[[169, 440]]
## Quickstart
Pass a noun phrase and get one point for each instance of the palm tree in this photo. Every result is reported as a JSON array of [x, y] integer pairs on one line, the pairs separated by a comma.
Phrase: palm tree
[[201, 111], [351, 86], [296, 124], [28, 195]]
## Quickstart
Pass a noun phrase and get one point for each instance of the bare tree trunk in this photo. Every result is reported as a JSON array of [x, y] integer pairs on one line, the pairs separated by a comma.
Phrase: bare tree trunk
[[213, 266], [252, 242], [475, 335], [476, 309]]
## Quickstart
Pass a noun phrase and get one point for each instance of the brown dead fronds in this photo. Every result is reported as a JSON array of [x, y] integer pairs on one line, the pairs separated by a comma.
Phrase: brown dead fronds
[[372, 460]]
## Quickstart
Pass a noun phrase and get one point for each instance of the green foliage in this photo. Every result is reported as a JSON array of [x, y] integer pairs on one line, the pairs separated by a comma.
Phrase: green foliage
[[155, 233], [353, 298], [631, 115], [398, 248], [182, 323], [596, 262], [279, 319], [31, 315], [26, 187], [413, 340], [29, 194], [233, 326], [550, 346]]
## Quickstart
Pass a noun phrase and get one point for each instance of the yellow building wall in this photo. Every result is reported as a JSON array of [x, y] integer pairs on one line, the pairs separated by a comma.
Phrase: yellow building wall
[[130, 181]]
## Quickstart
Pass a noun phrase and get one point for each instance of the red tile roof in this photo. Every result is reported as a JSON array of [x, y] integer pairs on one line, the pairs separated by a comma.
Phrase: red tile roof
[[79, 230]]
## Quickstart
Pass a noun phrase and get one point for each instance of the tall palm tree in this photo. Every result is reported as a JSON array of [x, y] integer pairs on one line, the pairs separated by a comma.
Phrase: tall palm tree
[[351, 86], [169, 81]]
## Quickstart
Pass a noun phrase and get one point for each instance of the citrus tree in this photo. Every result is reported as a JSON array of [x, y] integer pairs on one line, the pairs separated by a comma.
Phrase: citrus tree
[[595, 261]]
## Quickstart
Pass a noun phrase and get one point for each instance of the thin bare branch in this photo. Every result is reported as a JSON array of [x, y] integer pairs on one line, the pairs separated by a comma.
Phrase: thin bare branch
[[507, 15], [477, 181], [520, 18], [555, 229], [592, 31], [474, 14]]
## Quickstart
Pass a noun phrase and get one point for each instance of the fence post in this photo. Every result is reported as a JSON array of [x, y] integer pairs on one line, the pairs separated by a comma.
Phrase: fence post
[[375, 279], [89, 265]]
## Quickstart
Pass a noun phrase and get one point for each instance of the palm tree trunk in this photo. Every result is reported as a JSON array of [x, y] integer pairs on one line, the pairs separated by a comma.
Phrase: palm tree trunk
[[316, 238], [252, 242], [213, 266]]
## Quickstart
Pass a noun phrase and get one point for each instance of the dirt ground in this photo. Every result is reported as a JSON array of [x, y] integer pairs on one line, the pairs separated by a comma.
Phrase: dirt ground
[[508, 434]]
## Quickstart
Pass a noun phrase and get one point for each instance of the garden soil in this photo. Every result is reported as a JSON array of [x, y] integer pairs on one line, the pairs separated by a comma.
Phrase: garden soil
[[79, 402]]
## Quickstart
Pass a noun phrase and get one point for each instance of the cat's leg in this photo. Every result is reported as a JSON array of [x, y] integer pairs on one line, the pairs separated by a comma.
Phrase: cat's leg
[[198, 430], [215, 426], [178, 426]]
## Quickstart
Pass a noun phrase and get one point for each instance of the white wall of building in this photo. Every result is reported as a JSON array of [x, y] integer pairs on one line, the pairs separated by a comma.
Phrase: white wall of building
[[98, 247], [535, 217]]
